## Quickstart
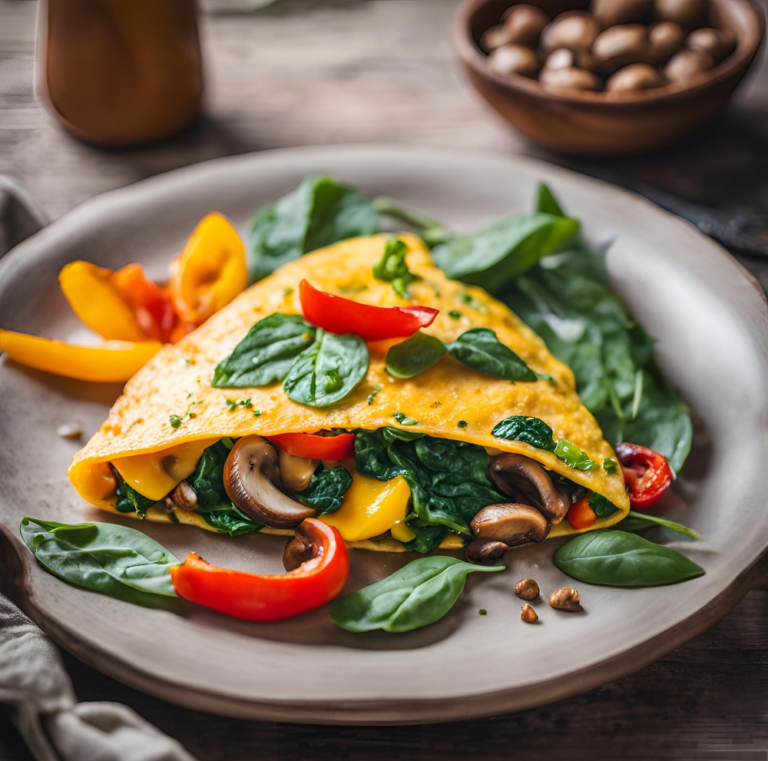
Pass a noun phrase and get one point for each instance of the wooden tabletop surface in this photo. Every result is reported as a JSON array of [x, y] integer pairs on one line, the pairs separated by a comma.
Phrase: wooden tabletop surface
[[351, 71]]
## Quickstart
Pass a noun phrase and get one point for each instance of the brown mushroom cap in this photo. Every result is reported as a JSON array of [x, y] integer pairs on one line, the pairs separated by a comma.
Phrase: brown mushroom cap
[[510, 524], [494, 38], [688, 13], [569, 58], [514, 59], [303, 546], [719, 43], [572, 29], [523, 23], [569, 79], [295, 472], [665, 39], [251, 475], [528, 483], [485, 551], [620, 46], [633, 78], [612, 12], [687, 64]]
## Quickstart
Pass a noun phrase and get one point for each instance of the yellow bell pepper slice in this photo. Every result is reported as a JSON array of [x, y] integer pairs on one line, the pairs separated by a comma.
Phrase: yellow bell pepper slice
[[94, 298], [210, 272], [113, 362]]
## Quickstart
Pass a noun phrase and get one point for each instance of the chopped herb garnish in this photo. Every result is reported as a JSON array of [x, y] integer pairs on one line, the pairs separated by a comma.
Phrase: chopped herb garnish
[[454, 314], [189, 395], [462, 424], [287, 291], [354, 288], [483, 612], [233, 405], [256, 413], [227, 442], [373, 393], [474, 303], [610, 465], [404, 419], [573, 456], [392, 268], [175, 421]]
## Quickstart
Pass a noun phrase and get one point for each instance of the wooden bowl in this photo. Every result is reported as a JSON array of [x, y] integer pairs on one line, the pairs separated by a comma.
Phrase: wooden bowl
[[600, 124]]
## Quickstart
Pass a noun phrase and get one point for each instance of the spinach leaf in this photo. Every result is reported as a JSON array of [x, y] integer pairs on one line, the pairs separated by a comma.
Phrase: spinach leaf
[[129, 500], [318, 213], [547, 203], [105, 557], [496, 255], [530, 430], [449, 480], [414, 356], [392, 267], [328, 370], [430, 231], [213, 504], [573, 456], [326, 489], [480, 349], [643, 521], [620, 559], [601, 507], [417, 595], [266, 353]]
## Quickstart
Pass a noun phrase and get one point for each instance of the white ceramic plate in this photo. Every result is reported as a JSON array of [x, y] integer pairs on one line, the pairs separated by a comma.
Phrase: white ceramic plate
[[712, 324]]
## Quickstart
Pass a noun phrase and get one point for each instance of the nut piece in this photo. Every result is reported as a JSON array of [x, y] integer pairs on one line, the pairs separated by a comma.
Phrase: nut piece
[[527, 589], [611, 12], [665, 39], [184, 496], [523, 23], [687, 64], [573, 29], [565, 598], [510, 524], [688, 13], [621, 45], [633, 78], [485, 551], [528, 614], [514, 59], [569, 58], [719, 43]]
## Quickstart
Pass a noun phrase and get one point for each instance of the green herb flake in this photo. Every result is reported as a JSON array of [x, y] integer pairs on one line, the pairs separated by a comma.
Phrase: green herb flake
[[287, 291], [256, 413], [454, 314], [483, 612], [610, 465], [353, 288], [175, 421], [392, 267], [404, 419], [473, 303], [573, 456], [227, 442], [233, 405], [373, 393], [462, 424]]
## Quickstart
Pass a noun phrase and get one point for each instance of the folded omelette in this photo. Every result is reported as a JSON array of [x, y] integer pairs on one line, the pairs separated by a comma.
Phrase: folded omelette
[[437, 456]]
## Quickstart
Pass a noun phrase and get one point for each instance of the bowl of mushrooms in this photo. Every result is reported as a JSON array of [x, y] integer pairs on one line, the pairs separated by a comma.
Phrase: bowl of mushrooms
[[607, 77]]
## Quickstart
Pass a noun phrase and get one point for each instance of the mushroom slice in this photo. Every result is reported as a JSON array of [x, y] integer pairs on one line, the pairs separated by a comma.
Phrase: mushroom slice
[[304, 545], [296, 472], [511, 524], [485, 551], [527, 482], [251, 476]]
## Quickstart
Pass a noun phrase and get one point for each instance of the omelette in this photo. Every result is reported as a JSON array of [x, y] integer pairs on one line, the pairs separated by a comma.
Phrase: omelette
[[457, 455]]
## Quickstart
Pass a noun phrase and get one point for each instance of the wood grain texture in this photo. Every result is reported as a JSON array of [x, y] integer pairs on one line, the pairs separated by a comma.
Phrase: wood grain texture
[[384, 70]]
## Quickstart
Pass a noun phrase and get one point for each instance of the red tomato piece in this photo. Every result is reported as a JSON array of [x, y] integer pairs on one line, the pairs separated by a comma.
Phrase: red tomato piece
[[317, 447], [339, 315], [646, 473], [151, 303], [581, 515]]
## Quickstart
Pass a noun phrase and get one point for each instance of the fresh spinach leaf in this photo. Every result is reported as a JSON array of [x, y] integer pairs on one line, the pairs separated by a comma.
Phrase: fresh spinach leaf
[[328, 370], [546, 203], [129, 500], [480, 349], [620, 559], [636, 521], [430, 231], [326, 489], [414, 356], [417, 595], [104, 557], [601, 507], [318, 213], [496, 255], [392, 267], [529, 430], [228, 519], [573, 456], [266, 353]]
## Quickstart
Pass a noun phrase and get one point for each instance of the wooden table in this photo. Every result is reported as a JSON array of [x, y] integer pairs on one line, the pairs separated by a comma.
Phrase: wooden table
[[384, 71]]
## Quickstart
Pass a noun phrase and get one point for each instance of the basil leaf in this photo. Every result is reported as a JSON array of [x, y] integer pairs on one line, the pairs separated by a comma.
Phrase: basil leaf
[[129, 500], [480, 349], [601, 507], [104, 557], [414, 356], [620, 559], [642, 522], [529, 430], [494, 256], [573, 456], [328, 370], [266, 353], [417, 595], [326, 489], [318, 213]]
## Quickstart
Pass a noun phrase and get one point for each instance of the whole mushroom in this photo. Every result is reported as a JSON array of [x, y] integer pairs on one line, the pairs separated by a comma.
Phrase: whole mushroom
[[514, 59], [665, 38], [687, 64], [718, 43], [620, 46], [523, 23], [569, 58], [573, 29], [612, 12], [687, 13], [570, 79], [633, 78], [494, 38]]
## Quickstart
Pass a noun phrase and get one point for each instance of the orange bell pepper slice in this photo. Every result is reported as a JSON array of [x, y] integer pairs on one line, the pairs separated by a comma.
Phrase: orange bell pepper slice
[[96, 300], [115, 361], [580, 514], [210, 272], [255, 597], [150, 303]]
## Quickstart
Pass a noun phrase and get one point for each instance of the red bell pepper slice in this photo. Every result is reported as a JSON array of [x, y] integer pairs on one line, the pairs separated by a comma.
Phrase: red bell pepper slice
[[256, 597], [151, 304], [339, 315], [332, 448], [646, 473], [580, 514]]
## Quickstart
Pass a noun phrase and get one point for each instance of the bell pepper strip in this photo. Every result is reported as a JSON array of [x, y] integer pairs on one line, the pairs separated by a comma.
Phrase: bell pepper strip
[[151, 304], [115, 361], [646, 473], [96, 300], [255, 597], [339, 315], [580, 514], [331, 448], [210, 272]]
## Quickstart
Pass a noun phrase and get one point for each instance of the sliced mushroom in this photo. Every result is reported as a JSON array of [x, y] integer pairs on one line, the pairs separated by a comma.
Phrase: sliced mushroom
[[303, 546], [183, 496], [510, 524], [528, 483], [296, 472], [485, 551], [251, 478]]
